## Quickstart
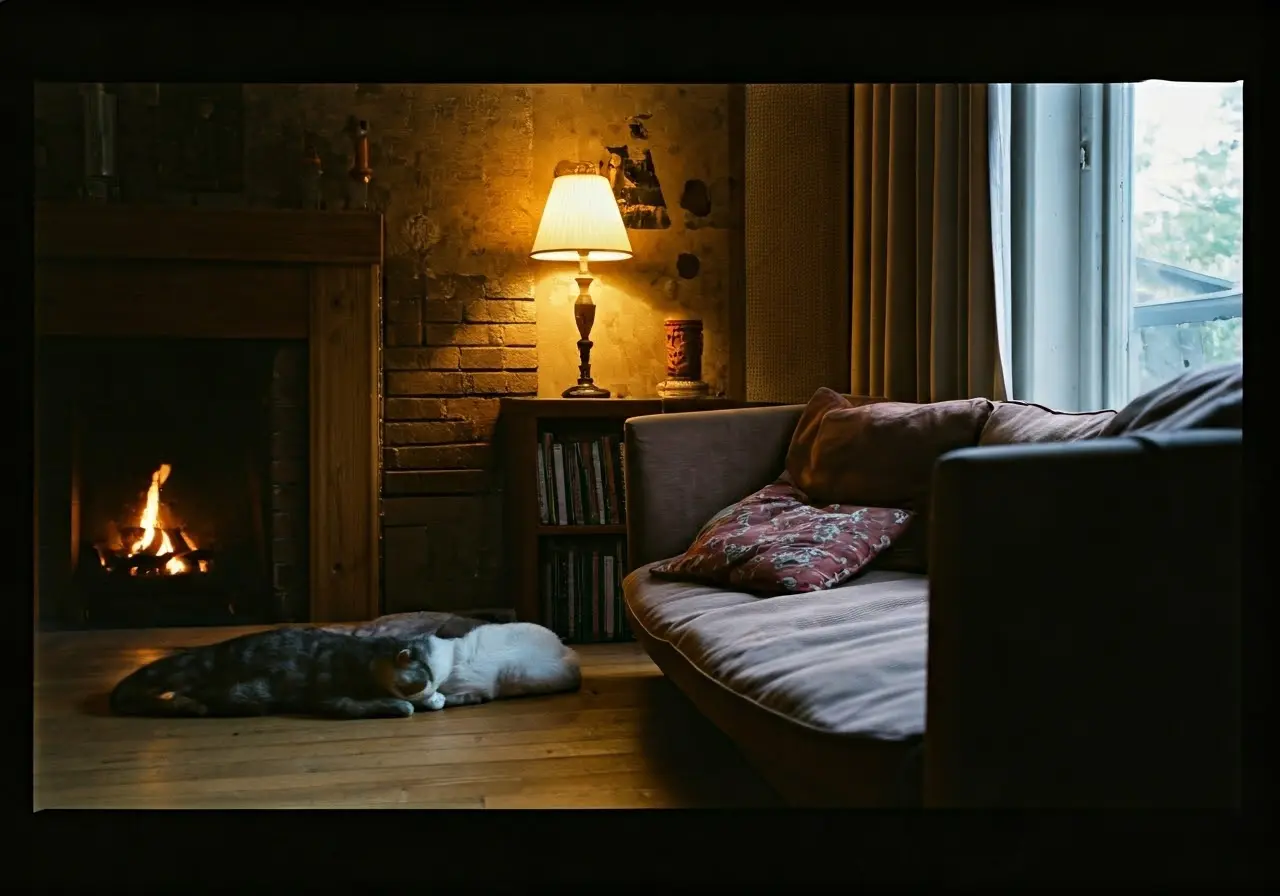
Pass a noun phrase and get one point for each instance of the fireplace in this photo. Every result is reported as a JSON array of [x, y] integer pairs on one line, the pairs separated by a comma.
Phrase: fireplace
[[182, 466], [207, 408]]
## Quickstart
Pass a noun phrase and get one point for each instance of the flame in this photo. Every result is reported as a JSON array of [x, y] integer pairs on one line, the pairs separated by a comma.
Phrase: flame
[[155, 538], [151, 513]]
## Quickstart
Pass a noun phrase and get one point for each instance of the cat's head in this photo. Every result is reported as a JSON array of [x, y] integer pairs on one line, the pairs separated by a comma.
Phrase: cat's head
[[401, 669]]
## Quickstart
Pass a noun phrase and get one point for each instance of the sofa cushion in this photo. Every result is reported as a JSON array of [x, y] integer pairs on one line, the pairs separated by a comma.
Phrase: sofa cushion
[[881, 455], [848, 661], [1012, 422], [1209, 398], [773, 542]]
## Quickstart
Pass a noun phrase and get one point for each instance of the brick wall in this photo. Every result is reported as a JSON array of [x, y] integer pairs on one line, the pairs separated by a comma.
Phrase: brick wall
[[461, 181], [290, 522]]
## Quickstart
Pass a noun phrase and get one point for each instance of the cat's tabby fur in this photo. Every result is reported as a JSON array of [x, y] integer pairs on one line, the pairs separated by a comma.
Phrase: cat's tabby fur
[[283, 670]]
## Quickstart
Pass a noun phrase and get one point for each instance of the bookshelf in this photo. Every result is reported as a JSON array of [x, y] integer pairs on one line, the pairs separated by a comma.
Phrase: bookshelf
[[557, 542]]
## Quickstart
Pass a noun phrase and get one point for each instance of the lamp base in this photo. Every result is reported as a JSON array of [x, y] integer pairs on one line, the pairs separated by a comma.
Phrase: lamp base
[[585, 390]]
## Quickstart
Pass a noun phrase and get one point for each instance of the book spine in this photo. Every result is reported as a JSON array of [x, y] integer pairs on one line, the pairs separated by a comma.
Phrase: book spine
[[610, 612], [549, 478], [572, 591], [575, 485], [543, 510], [588, 489], [562, 498], [610, 481], [597, 480], [596, 621], [622, 479]]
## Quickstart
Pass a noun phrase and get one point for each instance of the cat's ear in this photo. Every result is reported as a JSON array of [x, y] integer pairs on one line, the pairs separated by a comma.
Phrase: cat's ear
[[404, 658]]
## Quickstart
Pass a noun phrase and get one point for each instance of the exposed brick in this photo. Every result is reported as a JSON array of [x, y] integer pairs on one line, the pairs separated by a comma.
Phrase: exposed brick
[[444, 311], [488, 358], [434, 433], [505, 383], [438, 482], [500, 311], [421, 382], [519, 359], [445, 358], [520, 335], [414, 409], [469, 288], [285, 496], [403, 311], [282, 526], [285, 551], [485, 409], [284, 470], [441, 288], [283, 576], [404, 334], [515, 285], [438, 457], [403, 281], [482, 334]]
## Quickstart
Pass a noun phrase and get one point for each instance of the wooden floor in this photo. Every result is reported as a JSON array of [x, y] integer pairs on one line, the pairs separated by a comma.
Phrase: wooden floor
[[628, 739]]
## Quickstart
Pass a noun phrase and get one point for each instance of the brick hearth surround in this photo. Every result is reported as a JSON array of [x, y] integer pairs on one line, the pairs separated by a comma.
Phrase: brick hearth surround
[[453, 349], [288, 482]]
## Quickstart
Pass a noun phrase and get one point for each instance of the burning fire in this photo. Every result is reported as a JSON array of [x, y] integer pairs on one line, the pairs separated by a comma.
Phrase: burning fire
[[155, 541]]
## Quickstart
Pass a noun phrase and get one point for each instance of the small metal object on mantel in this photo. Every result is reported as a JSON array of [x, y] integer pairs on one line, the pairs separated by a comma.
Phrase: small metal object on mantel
[[684, 361], [361, 173]]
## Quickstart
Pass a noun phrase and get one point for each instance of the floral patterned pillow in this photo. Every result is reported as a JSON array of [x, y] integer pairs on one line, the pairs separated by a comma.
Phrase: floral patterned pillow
[[773, 542]]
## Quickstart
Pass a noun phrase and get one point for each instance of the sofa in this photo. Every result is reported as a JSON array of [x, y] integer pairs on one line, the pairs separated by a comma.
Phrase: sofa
[[1061, 628]]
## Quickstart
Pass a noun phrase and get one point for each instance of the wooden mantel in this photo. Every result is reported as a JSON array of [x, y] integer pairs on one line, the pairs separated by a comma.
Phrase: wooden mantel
[[115, 270]]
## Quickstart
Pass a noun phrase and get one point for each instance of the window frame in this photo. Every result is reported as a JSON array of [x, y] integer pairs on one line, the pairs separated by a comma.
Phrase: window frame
[[1073, 268]]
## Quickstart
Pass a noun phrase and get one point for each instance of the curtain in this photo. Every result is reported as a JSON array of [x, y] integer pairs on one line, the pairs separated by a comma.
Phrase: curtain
[[999, 137], [924, 324]]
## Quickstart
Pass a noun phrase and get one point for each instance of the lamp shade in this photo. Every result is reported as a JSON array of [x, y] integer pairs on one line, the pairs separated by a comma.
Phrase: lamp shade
[[581, 216]]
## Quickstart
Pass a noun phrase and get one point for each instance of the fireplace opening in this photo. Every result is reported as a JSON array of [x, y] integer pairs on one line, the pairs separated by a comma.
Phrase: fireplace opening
[[172, 481]]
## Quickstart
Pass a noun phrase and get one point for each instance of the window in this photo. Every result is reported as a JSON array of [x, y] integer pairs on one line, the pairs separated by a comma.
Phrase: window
[[1188, 228], [1126, 239]]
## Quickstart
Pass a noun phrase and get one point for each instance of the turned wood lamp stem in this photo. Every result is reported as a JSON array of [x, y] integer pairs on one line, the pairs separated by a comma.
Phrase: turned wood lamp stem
[[584, 314]]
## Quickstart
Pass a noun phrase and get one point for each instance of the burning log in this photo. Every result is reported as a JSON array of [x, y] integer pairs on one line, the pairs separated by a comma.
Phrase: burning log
[[182, 560], [151, 549]]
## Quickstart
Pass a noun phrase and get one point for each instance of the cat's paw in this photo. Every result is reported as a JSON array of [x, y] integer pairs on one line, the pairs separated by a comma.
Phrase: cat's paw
[[435, 701], [403, 708]]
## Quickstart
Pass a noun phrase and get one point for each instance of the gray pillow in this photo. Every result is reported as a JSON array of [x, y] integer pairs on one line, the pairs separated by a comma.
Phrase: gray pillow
[[1209, 398]]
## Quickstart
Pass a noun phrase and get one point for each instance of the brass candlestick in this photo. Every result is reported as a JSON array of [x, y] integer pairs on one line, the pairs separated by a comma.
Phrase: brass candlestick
[[584, 315], [361, 173]]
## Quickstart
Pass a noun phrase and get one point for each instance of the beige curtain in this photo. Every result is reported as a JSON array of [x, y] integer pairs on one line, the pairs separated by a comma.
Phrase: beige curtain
[[923, 315]]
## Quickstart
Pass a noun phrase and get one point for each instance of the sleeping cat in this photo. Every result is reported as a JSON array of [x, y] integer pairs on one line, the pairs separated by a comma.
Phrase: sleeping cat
[[495, 661], [290, 670]]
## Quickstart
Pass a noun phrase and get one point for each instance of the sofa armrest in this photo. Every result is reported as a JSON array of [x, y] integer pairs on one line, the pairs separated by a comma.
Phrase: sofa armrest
[[1084, 624], [681, 468]]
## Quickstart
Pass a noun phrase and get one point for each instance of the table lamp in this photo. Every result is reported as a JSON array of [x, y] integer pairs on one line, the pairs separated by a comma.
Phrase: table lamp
[[582, 223]]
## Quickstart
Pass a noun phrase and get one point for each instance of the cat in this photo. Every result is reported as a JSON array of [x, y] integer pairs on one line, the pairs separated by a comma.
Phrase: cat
[[284, 670], [494, 661]]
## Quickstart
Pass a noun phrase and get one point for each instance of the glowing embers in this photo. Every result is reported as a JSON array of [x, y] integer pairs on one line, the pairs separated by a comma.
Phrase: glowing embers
[[151, 548]]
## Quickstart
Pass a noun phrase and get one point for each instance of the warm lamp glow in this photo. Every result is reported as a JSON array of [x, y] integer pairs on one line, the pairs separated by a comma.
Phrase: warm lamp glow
[[581, 218]]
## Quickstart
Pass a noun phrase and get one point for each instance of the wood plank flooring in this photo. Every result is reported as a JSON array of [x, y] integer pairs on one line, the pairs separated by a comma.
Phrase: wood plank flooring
[[628, 739]]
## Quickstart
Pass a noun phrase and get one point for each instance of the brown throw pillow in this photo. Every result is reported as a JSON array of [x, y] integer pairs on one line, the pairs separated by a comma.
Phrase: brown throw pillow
[[881, 455], [773, 542], [1015, 422]]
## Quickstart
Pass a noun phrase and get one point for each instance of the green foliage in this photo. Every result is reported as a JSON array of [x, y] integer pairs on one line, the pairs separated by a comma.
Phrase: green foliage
[[1203, 231]]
